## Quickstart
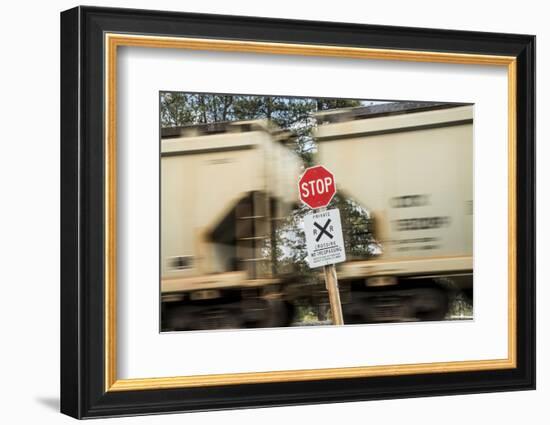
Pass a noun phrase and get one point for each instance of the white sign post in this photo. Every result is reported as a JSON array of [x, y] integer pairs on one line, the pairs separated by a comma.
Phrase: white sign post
[[325, 247], [325, 244]]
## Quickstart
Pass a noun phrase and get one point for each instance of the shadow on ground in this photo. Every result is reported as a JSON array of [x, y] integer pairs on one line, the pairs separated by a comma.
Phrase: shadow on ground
[[49, 402]]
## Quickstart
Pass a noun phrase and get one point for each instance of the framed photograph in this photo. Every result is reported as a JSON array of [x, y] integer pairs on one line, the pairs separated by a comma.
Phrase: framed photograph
[[261, 212]]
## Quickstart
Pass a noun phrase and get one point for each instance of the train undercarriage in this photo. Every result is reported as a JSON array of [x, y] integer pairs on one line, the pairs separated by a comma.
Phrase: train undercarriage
[[364, 301]]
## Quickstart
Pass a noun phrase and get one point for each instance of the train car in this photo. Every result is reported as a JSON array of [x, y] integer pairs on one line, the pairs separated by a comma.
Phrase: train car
[[410, 165], [224, 187]]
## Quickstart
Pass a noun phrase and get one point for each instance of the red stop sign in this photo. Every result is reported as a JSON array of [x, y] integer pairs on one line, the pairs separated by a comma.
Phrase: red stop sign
[[316, 187]]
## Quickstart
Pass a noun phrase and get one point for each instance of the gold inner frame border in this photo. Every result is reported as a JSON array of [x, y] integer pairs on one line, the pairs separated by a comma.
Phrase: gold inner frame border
[[113, 40]]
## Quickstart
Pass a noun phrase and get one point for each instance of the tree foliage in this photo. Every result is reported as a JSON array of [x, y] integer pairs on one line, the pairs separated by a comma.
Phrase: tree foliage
[[294, 114]]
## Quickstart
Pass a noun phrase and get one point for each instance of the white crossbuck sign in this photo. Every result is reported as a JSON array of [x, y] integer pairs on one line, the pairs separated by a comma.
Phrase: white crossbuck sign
[[324, 241]]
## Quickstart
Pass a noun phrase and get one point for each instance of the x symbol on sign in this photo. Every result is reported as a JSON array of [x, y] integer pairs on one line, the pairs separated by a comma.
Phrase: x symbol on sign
[[322, 229]]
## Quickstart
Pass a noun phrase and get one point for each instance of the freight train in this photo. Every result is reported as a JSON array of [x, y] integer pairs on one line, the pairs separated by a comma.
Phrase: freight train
[[228, 189], [411, 166]]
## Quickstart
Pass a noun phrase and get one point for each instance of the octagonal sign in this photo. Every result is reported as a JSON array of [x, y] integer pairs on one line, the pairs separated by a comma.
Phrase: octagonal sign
[[317, 187]]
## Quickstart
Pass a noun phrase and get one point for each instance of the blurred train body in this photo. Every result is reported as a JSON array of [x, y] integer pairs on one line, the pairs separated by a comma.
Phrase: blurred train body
[[411, 166], [226, 187]]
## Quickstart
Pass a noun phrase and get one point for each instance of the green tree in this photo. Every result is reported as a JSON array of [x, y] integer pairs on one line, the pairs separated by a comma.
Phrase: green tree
[[294, 114]]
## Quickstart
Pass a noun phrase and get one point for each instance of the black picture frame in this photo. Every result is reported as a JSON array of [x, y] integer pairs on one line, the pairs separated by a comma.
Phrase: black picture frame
[[83, 171]]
